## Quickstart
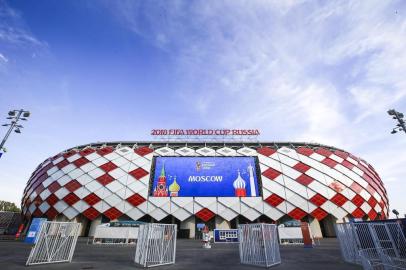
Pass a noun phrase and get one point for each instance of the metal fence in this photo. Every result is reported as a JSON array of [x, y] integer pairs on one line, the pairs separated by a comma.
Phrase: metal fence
[[105, 234], [374, 245], [380, 259], [156, 245], [348, 244], [259, 244], [56, 243]]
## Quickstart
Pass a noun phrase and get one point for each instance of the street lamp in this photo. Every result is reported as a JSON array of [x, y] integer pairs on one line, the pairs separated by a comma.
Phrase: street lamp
[[396, 213], [401, 122], [14, 116]]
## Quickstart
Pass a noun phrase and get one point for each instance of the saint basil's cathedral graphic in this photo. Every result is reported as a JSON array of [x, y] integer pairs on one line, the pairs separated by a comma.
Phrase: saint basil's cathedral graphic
[[239, 184]]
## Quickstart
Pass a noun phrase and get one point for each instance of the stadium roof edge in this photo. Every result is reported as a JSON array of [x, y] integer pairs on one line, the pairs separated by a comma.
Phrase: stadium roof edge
[[203, 143]]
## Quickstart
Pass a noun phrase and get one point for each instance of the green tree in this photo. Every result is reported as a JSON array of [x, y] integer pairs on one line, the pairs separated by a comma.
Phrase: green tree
[[9, 206]]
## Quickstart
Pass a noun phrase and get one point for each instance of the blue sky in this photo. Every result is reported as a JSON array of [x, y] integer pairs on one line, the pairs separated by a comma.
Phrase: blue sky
[[322, 71]]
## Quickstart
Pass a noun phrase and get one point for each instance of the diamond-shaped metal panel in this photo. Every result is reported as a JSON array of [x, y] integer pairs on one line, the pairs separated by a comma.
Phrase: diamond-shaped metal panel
[[205, 214]]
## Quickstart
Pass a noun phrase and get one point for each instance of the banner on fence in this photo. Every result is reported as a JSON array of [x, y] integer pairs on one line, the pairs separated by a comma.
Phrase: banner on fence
[[34, 229]]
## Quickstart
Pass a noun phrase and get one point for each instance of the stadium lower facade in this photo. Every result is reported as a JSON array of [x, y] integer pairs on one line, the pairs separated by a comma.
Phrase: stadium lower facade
[[218, 184]]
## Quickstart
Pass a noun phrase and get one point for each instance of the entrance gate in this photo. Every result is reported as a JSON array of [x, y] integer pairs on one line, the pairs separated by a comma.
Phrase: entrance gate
[[56, 243]]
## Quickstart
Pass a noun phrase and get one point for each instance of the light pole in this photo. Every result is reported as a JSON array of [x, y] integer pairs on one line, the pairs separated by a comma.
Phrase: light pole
[[399, 117], [396, 213], [14, 116]]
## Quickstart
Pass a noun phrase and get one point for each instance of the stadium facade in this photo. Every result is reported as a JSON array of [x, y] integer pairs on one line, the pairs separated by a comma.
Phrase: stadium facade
[[219, 184]]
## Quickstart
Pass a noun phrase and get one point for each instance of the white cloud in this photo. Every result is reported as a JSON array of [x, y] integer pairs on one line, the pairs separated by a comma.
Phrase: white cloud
[[3, 58], [300, 71], [13, 32]]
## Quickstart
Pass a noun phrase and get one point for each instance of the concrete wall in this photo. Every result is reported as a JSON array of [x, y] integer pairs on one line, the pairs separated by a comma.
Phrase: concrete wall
[[93, 226], [222, 223], [315, 227], [190, 224]]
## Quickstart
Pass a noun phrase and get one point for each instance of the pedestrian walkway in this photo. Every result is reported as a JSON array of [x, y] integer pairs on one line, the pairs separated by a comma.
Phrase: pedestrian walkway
[[189, 255]]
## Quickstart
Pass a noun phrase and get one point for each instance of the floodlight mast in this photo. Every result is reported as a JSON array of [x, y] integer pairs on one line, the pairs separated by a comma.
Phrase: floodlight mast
[[401, 122], [14, 116]]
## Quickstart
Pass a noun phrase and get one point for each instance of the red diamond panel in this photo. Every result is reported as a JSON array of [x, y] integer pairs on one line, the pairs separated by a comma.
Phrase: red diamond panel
[[304, 179], [37, 201], [136, 200], [91, 199], [52, 199], [338, 187], [358, 213], [329, 162], [112, 213], [356, 187], [205, 214], [91, 213], [297, 213], [62, 164], [372, 214], [69, 154], [347, 164], [109, 166], [87, 151], [266, 151], [73, 185], [271, 173], [305, 151], [323, 152], [105, 179], [105, 150], [370, 189], [142, 151], [339, 199], [274, 200], [138, 173], [319, 213], [318, 199], [358, 200], [341, 154], [54, 187], [37, 213], [71, 198], [39, 189], [301, 167], [51, 213], [372, 202], [80, 162]]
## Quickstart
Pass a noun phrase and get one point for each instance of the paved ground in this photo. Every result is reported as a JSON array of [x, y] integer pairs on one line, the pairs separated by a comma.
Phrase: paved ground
[[190, 255]]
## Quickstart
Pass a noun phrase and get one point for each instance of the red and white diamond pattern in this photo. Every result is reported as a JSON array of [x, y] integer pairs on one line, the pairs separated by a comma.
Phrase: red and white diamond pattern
[[114, 181]]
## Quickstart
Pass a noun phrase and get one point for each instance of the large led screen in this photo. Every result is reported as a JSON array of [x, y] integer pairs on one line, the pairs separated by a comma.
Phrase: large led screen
[[205, 177]]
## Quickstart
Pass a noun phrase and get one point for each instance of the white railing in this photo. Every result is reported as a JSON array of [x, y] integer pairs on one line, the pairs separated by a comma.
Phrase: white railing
[[259, 245], [156, 245], [104, 234], [371, 244], [56, 243], [377, 259]]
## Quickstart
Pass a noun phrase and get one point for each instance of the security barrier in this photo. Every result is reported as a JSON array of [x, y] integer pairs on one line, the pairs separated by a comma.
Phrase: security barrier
[[56, 243], [346, 238], [104, 234], [259, 245], [156, 245], [373, 244], [377, 258]]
